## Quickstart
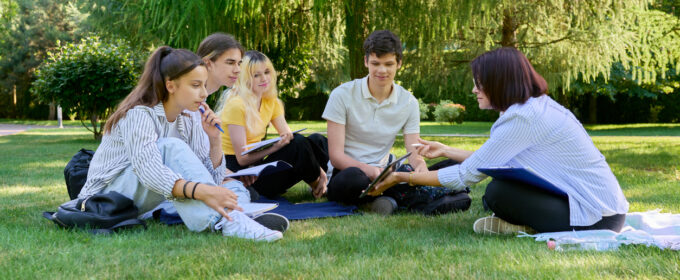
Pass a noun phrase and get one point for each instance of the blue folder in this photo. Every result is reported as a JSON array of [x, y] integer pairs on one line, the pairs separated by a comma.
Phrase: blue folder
[[522, 175]]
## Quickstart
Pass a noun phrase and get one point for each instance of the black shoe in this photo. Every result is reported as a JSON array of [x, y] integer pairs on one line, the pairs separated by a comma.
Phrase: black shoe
[[253, 193], [384, 205], [449, 203], [273, 221]]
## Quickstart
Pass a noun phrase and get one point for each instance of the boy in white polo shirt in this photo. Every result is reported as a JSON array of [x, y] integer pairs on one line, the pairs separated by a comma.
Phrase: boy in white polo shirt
[[364, 117]]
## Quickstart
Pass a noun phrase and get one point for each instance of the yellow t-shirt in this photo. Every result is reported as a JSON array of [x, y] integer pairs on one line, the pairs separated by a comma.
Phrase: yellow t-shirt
[[234, 112]]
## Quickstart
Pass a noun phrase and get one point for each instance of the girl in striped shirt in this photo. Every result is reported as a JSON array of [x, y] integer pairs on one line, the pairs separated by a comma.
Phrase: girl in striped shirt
[[153, 150]]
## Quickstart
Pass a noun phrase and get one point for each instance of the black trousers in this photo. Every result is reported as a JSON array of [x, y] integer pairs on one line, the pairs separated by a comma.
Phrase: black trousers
[[523, 204], [346, 185], [306, 154]]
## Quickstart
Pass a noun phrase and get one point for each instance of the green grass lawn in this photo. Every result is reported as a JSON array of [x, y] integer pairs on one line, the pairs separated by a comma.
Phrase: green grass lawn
[[405, 246]]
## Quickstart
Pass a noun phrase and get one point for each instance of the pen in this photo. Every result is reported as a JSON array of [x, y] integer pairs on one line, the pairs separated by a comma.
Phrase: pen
[[216, 125]]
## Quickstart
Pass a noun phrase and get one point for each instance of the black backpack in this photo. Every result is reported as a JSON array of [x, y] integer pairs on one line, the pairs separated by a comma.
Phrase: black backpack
[[75, 172], [101, 213]]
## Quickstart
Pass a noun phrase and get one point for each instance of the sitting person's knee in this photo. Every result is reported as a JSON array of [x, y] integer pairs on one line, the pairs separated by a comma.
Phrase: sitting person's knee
[[493, 190], [171, 143]]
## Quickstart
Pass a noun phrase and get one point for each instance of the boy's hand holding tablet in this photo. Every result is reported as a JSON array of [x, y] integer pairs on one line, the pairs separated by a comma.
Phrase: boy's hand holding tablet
[[389, 169]]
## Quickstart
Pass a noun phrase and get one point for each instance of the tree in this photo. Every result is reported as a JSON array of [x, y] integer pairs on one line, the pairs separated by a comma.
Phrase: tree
[[89, 78], [29, 29], [564, 40]]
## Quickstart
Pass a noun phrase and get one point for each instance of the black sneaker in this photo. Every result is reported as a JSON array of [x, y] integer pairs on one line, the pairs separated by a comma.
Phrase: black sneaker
[[384, 205], [273, 221]]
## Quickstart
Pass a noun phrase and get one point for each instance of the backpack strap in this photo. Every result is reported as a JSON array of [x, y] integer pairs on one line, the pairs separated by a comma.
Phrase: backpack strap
[[127, 224], [131, 223]]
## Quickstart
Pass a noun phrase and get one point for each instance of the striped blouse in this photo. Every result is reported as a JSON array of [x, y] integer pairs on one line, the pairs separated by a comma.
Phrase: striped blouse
[[546, 137], [133, 142]]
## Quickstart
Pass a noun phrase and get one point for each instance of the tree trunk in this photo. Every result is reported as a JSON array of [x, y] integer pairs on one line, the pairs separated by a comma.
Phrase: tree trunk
[[510, 25], [14, 94], [94, 119], [592, 108], [356, 31], [53, 111]]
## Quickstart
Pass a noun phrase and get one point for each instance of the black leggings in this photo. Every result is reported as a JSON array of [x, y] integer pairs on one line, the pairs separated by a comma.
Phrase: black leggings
[[306, 154], [522, 204]]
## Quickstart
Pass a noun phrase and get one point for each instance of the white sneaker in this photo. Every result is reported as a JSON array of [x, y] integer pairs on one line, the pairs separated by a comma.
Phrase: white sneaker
[[495, 225], [244, 227]]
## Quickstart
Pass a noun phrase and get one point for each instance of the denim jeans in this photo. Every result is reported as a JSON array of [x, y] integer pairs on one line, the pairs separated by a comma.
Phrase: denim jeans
[[179, 157]]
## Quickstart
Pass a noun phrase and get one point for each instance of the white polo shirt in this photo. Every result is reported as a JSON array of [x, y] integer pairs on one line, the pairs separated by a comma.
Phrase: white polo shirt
[[371, 127]]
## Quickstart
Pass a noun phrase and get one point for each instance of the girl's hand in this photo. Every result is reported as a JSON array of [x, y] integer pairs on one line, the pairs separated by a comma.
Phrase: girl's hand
[[209, 119], [319, 187], [285, 139], [247, 180], [431, 149], [389, 181], [218, 198]]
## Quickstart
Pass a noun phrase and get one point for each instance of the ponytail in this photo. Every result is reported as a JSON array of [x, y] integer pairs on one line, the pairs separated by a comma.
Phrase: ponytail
[[164, 64]]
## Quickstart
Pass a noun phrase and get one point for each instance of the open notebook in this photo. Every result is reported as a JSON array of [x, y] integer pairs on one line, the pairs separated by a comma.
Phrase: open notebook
[[259, 146], [253, 209], [262, 169]]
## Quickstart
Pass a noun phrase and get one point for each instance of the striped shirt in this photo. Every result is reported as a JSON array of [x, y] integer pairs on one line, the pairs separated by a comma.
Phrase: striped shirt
[[133, 142], [546, 137]]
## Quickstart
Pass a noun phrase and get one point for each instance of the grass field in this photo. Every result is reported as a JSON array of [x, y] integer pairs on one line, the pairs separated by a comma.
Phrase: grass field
[[407, 246]]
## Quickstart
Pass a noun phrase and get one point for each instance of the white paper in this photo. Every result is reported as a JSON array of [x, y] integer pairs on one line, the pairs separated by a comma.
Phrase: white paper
[[257, 170], [253, 209]]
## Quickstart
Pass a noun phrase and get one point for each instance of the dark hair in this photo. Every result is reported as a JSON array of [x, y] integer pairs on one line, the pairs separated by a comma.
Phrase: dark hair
[[216, 44], [382, 42], [165, 64], [506, 76]]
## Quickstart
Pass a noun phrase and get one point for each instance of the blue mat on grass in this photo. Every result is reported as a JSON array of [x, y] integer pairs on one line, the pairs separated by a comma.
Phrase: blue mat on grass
[[167, 214]]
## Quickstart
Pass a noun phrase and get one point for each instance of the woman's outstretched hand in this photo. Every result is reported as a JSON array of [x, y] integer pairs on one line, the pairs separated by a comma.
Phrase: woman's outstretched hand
[[431, 149], [389, 181]]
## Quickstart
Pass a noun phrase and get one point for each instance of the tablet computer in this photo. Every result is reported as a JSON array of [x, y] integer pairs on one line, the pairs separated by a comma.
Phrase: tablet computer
[[392, 166]]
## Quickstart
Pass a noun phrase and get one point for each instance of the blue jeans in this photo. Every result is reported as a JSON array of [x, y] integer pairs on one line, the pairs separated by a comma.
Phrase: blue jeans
[[179, 157]]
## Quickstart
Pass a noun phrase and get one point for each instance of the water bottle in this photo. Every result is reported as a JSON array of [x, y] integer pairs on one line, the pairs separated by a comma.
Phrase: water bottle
[[580, 245]]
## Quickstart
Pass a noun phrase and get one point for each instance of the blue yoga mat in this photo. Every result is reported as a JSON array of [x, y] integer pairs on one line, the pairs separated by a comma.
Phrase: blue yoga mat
[[312, 210], [298, 211]]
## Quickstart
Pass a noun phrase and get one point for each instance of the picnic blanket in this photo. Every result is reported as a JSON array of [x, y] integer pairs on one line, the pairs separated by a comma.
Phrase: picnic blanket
[[166, 213], [651, 228]]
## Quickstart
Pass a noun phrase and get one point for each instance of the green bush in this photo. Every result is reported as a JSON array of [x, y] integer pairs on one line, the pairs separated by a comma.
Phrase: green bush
[[424, 110], [448, 111], [89, 78]]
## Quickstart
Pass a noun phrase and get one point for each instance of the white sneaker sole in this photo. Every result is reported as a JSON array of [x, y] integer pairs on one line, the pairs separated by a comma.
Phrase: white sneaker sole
[[495, 225], [276, 235]]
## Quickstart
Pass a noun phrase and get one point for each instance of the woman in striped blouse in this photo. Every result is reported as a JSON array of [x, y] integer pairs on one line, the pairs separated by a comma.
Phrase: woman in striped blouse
[[153, 150], [533, 131]]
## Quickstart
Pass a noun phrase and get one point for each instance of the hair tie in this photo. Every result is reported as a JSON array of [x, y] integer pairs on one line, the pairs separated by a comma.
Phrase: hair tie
[[166, 51]]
